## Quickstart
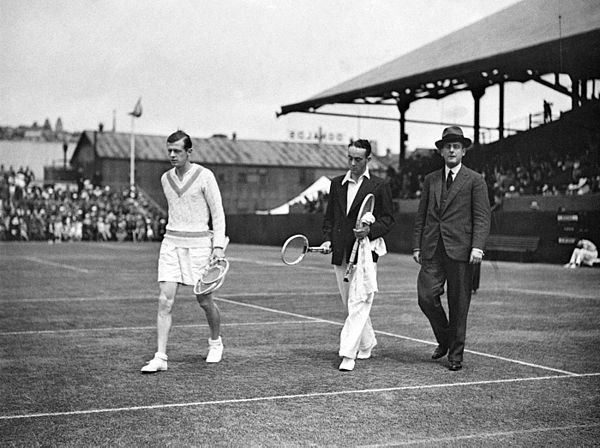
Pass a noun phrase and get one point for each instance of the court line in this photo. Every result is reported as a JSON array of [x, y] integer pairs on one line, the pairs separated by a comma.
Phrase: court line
[[60, 265], [292, 396], [153, 327], [482, 435], [281, 265], [565, 294], [385, 333], [153, 295]]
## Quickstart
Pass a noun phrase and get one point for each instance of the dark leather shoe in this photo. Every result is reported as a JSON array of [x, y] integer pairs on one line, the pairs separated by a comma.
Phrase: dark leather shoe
[[439, 352], [455, 365]]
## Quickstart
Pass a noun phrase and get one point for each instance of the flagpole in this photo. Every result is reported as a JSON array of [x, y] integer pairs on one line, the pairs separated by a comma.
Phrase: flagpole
[[132, 156]]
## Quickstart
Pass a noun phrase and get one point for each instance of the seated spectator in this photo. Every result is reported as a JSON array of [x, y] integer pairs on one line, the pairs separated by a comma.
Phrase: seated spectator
[[585, 252]]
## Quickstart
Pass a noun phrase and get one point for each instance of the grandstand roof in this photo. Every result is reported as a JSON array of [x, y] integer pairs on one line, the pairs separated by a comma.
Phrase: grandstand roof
[[521, 42], [223, 151]]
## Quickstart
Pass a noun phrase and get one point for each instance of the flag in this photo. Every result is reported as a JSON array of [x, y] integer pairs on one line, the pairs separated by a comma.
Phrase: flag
[[137, 110]]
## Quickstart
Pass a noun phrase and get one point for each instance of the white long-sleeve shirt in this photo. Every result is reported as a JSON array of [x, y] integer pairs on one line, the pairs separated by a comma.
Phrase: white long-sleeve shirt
[[193, 201]]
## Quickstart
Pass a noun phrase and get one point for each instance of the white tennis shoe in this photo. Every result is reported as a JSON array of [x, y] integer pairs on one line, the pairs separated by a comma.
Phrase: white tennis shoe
[[215, 350], [347, 365], [156, 364]]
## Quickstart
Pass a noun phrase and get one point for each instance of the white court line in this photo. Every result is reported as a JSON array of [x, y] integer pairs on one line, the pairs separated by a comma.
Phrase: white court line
[[565, 294], [385, 333], [153, 295], [60, 265], [280, 264], [484, 435], [153, 327], [292, 396]]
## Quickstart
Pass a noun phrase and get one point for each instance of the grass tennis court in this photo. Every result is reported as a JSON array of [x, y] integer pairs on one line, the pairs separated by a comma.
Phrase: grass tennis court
[[78, 322]]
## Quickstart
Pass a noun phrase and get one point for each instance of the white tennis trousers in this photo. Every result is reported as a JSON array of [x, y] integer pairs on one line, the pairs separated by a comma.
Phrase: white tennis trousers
[[357, 333]]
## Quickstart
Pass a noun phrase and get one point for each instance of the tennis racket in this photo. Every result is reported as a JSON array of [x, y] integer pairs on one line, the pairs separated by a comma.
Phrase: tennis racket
[[367, 206], [212, 275], [295, 248]]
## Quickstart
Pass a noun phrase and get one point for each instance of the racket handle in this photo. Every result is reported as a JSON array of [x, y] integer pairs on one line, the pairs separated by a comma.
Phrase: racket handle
[[352, 262]]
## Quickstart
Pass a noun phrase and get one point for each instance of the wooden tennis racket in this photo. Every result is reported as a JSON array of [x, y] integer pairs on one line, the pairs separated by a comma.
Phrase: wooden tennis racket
[[295, 248], [367, 206]]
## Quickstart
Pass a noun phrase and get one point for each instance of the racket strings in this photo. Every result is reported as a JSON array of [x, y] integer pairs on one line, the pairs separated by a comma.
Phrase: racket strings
[[294, 249]]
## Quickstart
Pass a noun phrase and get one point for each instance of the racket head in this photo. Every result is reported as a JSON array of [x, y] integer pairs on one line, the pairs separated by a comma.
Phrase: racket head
[[294, 249], [212, 276], [367, 206]]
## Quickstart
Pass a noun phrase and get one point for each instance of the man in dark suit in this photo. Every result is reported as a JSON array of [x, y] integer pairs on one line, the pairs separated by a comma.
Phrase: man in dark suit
[[345, 198], [451, 227]]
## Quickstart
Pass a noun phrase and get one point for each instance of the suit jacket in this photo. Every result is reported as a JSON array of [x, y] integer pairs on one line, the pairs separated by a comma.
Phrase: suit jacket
[[337, 226], [462, 220]]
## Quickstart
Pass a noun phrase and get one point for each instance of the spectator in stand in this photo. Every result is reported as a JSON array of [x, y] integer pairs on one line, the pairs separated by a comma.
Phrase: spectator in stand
[[103, 230], [585, 252]]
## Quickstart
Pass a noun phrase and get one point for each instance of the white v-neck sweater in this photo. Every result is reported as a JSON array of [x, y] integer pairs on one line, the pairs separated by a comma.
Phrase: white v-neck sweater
[[192, 201]]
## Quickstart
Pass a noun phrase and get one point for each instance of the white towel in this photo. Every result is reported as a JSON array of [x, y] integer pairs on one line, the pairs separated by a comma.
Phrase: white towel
[[363, 283]]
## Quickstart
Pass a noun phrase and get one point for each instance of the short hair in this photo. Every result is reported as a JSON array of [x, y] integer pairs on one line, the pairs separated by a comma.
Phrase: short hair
[[178, 135], [362, 143]]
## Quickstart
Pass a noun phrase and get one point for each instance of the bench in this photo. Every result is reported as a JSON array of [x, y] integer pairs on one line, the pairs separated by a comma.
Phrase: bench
[[522, 245]]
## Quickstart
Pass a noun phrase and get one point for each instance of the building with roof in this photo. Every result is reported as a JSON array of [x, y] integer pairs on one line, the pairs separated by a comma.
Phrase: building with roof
[[252, 174]]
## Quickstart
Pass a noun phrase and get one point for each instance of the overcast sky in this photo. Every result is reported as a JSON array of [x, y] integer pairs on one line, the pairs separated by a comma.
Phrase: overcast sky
[[226, 66]]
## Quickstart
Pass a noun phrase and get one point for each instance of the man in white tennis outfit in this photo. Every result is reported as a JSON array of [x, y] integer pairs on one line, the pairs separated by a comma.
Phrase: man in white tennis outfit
[[346, 193], [193, 199]]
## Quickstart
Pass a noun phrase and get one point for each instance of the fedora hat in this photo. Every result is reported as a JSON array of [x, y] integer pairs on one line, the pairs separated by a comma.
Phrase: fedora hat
[[453, 134]]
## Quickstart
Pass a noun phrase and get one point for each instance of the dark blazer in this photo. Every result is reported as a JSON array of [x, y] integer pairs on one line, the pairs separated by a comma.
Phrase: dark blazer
[[462, 220], [337, 226]]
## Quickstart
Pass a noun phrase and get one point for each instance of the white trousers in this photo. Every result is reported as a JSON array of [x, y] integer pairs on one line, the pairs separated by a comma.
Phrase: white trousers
[[357, 333]]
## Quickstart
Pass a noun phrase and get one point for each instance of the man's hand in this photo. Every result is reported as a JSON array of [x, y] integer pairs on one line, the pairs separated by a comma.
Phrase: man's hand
[[417, 255], [362, 231], [476, 256], [217, 253], [326, 247]]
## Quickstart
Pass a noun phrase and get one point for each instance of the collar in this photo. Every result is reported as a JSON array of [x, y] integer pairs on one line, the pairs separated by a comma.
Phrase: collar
[[187, 173], [454, 170], [348, 178]]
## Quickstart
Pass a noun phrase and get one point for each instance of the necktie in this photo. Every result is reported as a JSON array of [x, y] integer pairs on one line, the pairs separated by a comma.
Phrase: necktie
[[449, 181]]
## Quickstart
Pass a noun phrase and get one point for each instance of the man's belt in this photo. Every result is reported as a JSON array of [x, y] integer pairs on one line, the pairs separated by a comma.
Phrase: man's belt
[[183, 234]]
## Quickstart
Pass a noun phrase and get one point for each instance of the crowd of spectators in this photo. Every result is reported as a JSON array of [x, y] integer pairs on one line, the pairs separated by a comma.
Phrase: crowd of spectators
[[65, 212], [506, 175], [510, 174]]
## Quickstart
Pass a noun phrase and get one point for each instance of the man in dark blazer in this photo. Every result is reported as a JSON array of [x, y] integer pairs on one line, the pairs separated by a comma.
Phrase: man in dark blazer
[[346, 194], [451, 227]]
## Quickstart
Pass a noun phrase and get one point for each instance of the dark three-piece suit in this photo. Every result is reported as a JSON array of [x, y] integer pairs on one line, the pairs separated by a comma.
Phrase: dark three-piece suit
[[449, 223]]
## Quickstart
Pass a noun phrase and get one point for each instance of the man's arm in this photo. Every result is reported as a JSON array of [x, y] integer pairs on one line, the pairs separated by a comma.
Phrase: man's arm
[[420, 221], [385, 212], [481, 219], [212, 194], [328, 216]]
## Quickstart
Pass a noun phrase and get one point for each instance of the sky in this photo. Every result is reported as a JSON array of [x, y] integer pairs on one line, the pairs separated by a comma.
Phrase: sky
[[219, 67]]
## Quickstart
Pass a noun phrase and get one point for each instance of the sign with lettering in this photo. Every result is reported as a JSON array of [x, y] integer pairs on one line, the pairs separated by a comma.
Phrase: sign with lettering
[[316, 136]]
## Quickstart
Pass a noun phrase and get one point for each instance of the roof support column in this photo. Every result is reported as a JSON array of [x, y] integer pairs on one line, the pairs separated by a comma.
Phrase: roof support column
[[574, 91], [584, 90], [403, 106], [501, 110], [477, 92]]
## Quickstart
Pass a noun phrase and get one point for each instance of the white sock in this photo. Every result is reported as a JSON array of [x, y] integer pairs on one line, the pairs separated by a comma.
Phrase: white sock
[[217, 341]]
